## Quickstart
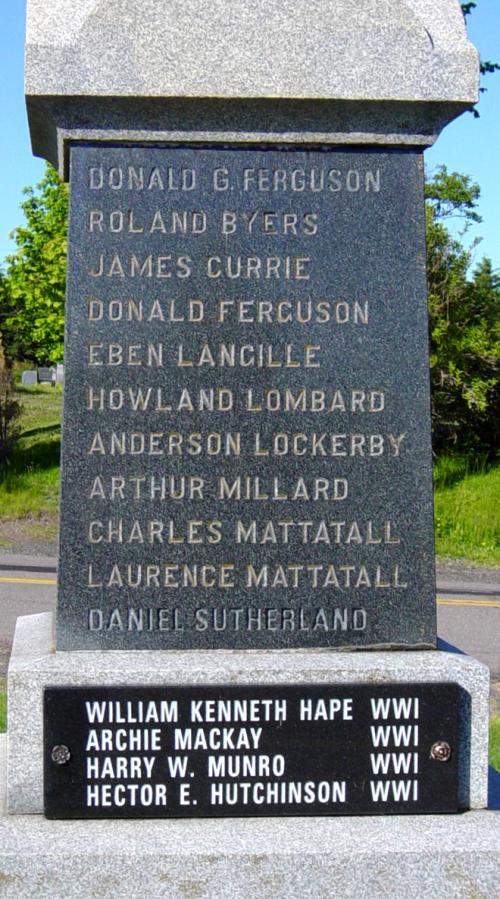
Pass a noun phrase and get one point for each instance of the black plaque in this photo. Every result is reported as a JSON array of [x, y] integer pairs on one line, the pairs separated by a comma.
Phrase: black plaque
[[246, 449], [157, 752]]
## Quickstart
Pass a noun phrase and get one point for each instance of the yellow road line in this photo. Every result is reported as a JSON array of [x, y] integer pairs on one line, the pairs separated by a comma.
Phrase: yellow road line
[[441, 600], [455, 601], [27, 580]]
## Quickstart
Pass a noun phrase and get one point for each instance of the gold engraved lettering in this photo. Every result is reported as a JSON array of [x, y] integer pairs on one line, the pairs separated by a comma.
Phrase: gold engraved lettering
[[167, 532], [271, 223], [140, 310], [145, 619], [161, 443], [169, 488], [113, 354], [283, 268], [319, 577], [323, 444], [300, 618], [261, 355], [221, 179], [284, 312], [311, 400], [166, 178], [311, 180], [134, 266], [129, 221], [154, 576], [156, 399], [276, 489], [329, 533]]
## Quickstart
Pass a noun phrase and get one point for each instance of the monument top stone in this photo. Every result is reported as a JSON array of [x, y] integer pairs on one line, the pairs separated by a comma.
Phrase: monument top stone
[[379, 71]]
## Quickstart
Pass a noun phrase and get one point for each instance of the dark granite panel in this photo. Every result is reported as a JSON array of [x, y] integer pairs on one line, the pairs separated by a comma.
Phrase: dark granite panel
[[161, 752], [246, 450]]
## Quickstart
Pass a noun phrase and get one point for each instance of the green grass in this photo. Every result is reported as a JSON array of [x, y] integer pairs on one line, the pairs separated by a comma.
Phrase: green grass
[[466, 511], [3, 713], [495, 742], [41, 406], [29, 484], [448, 470], [467, 489]]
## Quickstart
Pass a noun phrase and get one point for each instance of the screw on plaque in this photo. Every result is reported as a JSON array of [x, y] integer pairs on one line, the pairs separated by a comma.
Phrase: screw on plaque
[[60, 755], [440, 751]]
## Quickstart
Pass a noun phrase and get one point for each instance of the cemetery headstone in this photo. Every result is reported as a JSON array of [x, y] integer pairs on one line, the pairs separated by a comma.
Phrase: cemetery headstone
[[29, 377], [46, 375]]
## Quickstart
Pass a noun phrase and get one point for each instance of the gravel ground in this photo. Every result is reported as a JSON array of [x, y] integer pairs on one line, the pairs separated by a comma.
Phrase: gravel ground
[[16, 537], [458, 569]]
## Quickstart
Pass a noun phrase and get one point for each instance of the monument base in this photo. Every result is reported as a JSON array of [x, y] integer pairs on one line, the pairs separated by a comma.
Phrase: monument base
[[35, 665], [426, 855]]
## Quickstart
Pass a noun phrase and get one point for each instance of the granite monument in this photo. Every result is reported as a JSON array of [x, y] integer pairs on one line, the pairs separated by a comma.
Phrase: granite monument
[[246, 463]]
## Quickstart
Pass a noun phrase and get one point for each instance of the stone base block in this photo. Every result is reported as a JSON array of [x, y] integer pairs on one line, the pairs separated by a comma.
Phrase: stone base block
[[455, 856], [34, 666]]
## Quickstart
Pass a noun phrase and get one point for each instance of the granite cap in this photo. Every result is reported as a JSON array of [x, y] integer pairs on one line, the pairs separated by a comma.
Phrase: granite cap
[[338, 71]]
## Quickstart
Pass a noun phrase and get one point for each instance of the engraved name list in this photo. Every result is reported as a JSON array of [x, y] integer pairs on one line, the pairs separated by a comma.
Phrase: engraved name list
[[245, 452]]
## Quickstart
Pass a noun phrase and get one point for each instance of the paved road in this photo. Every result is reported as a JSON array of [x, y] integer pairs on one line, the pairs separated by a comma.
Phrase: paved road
[[27, 586], [468, 606]]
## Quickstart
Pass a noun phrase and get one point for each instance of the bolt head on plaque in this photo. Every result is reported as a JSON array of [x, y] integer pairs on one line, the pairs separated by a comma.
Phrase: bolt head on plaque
[[60, 755], [441, 751]]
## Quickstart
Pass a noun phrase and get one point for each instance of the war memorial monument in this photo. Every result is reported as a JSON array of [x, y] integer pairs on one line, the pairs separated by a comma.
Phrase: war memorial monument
[[241, 693]]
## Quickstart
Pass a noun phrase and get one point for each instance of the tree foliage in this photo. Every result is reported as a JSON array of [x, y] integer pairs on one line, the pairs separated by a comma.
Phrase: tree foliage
[[463, 318], [10, 413], [32, 290], [464, 309]]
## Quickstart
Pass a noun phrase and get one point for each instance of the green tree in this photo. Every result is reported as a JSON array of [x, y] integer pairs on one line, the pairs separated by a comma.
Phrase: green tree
[[10, 413], [10, 326], [464, 338], [32, 290], [486, 67], [463, 310]]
